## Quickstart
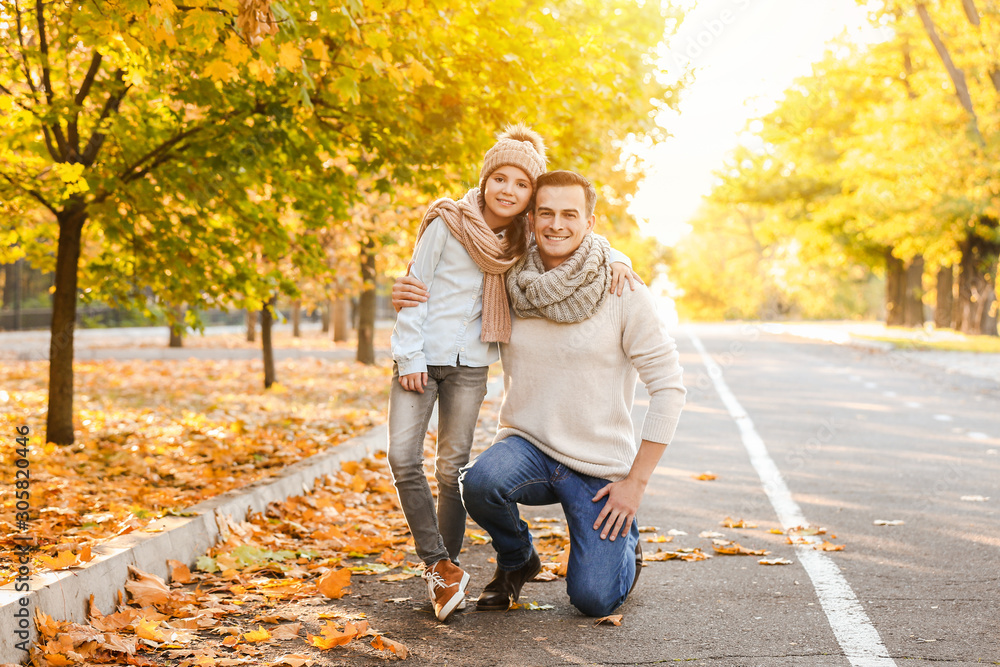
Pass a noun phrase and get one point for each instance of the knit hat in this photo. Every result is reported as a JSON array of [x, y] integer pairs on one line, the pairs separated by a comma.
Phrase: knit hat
[[519, 146]]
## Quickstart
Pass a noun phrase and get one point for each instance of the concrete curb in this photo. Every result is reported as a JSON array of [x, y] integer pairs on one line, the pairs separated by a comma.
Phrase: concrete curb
[[66, 593]]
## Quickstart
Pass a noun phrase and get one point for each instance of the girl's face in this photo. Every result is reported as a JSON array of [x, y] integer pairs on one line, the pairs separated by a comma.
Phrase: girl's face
[[507, 193]]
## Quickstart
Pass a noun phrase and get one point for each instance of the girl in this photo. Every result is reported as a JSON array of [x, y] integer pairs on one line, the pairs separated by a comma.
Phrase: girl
[[442, 348]]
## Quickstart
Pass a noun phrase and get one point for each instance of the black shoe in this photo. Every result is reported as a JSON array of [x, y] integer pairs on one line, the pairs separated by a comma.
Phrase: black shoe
[[638, 565], [505, 587]]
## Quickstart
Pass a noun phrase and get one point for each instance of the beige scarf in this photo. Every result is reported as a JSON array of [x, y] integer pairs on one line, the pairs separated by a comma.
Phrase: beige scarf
[[571, 292], [466, 223]]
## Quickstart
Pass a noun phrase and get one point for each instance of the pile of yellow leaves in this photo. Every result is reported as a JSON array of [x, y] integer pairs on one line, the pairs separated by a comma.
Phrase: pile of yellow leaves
[[307, 547], [155, 437]]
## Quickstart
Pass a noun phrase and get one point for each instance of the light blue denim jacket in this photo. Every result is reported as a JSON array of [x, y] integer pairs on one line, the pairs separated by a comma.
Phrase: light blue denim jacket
[[445, 329]]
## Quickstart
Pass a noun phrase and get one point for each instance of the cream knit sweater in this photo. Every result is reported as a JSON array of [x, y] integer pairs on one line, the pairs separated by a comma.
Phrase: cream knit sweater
[[568, 388]]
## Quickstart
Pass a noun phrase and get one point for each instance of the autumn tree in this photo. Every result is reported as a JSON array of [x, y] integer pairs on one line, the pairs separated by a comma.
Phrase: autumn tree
[[170, 144], [874, 157]]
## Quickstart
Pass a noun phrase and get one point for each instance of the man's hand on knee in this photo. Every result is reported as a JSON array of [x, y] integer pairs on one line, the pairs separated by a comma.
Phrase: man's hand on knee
[[619, 510]]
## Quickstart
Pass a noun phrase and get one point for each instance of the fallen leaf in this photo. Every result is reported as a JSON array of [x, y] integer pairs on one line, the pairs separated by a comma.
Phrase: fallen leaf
[[331, 636], [258, 635], [286, 631], [150, 630], [563, 562], [660, 539], [736, 523], [648, 529], [61, 561], [888, 522], [730, 548], [480, 536], [974, 499], [710, 534], [689, 555], [179, 572], [534, 606], [333, 583], [829, 546], [705, 477], [775, 561], [613, 619], [383, 644], [293, 660], [146, 589]]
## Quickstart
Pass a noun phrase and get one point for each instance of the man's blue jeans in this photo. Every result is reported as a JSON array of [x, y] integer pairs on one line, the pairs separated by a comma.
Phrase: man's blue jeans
[[513, 471]]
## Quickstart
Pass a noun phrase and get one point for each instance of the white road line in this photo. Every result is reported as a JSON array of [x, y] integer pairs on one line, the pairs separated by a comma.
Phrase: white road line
[[854, 630]]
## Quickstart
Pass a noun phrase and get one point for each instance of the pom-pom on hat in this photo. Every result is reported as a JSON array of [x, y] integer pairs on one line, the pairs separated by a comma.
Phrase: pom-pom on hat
[[518, 145]]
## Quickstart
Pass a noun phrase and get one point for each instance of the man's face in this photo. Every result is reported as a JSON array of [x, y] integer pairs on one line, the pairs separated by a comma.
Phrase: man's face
[[560, 222]]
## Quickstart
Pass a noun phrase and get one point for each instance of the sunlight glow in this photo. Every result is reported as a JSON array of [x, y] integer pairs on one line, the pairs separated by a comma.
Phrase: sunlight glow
[[744, 53]]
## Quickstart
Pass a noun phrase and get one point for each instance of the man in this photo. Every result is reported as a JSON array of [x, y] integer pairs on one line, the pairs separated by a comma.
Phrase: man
[[565, 433]]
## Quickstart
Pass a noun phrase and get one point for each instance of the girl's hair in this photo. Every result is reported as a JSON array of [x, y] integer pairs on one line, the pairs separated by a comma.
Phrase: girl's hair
[[517, 235]]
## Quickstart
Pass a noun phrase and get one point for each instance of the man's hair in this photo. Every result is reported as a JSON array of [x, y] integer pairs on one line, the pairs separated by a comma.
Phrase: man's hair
[[565, 178]]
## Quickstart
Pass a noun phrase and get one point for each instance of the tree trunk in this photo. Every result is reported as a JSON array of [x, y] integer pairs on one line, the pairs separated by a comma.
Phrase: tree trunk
[[341, 319], [976, 286], [966, 273], [177, 327], [985, 313], [366, 316], [18, 292], [895, 287], [297, 318], [266, 319], [945, 301], [325, 315], [59, 420], [8, 285], [251, 326], [913, 298], [988, 323]]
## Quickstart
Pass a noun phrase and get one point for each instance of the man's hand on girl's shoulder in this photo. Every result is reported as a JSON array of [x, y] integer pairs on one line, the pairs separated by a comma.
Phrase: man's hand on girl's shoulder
[[407, 292]]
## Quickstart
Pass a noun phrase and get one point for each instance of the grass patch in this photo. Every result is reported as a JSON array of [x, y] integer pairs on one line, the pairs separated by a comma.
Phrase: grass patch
[[984, 344]]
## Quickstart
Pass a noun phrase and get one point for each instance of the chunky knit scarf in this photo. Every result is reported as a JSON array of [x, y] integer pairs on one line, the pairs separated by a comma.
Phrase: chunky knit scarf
[[466, 223], [571, 292]]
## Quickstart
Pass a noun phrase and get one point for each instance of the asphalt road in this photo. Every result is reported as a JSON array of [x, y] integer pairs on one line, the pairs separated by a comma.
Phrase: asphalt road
[[856, 436]]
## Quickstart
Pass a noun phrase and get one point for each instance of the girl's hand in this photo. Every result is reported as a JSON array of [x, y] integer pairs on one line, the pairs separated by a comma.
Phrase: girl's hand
[[620, 274], [413, 382]]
